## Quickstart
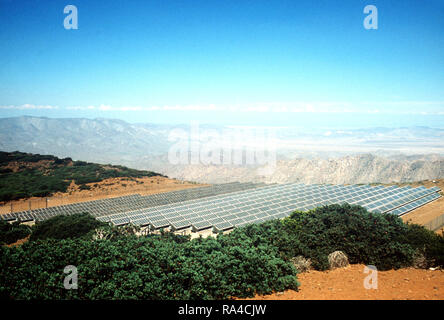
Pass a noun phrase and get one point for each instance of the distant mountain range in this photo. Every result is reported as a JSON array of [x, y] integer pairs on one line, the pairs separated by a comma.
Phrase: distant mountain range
[[322, 156], [355, 169]]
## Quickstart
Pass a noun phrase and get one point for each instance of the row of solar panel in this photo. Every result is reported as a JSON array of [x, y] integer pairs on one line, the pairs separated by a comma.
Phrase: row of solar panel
[[127, 203], [245, 197], [286, 198], [272, 197], [415, 204], [280, 200], [72, 208], [205, 203]]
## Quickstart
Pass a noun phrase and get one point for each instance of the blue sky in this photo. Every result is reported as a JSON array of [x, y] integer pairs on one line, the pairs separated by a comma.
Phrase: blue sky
[[255, 62]]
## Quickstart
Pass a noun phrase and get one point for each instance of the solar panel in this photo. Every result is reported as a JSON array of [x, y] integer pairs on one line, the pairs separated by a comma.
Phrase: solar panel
[[235, 205], [110, 206], [415, 204], [222, 226], [180, 224], [201, 225]]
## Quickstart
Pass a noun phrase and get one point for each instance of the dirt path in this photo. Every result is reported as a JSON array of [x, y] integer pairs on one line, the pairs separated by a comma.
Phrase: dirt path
[[348, 284]]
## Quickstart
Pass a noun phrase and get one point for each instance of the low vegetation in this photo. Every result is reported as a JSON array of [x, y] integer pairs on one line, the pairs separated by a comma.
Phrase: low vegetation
[[12, 232], [24, 175], [369, 238], [427, 244], [113, 263], [66, 227], [162, 266]]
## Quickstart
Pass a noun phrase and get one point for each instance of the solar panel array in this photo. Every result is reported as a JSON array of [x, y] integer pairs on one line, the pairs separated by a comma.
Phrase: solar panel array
[[103, 207], [224, 212], [414, 205], [8, 216], [95, 207], [231, 205]]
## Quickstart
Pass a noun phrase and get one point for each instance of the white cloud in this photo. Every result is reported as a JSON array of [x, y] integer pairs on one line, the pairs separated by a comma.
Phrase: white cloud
[[81, 108], [105, 107], [210, 107], [333, 107], [28, 107]]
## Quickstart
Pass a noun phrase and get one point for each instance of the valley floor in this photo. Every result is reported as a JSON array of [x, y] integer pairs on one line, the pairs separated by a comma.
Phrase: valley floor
[[348, 284]]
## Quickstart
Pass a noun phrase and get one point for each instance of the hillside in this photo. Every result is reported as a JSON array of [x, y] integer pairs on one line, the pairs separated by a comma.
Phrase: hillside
[[353, 169], [99, 140], [24, 175], [308, 156]]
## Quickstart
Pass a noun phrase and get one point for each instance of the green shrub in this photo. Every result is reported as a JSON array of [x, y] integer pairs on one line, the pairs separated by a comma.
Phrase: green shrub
[[155, 267], [428, 243], [10, 233], [365, 237], [65, 227], [369, 238], [273, 233]]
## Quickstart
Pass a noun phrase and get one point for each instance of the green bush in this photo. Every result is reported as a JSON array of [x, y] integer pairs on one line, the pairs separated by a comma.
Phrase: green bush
[[65, 227], [428, 243], [155, 267], [10, 233], [273, 233], [369, 238]]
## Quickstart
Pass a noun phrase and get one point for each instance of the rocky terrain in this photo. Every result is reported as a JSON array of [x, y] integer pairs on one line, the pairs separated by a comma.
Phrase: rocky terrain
[[345, 170], [307, 156]]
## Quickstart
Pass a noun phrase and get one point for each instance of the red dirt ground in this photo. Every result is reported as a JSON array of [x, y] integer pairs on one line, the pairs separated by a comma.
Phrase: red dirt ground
[[348, 284]]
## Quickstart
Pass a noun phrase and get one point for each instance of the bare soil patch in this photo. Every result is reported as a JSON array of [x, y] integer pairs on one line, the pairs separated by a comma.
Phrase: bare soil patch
[[348, 284], [16, 166]]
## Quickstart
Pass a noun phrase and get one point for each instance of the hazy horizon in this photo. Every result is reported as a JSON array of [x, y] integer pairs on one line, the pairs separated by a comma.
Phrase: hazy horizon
[[309, 127]]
